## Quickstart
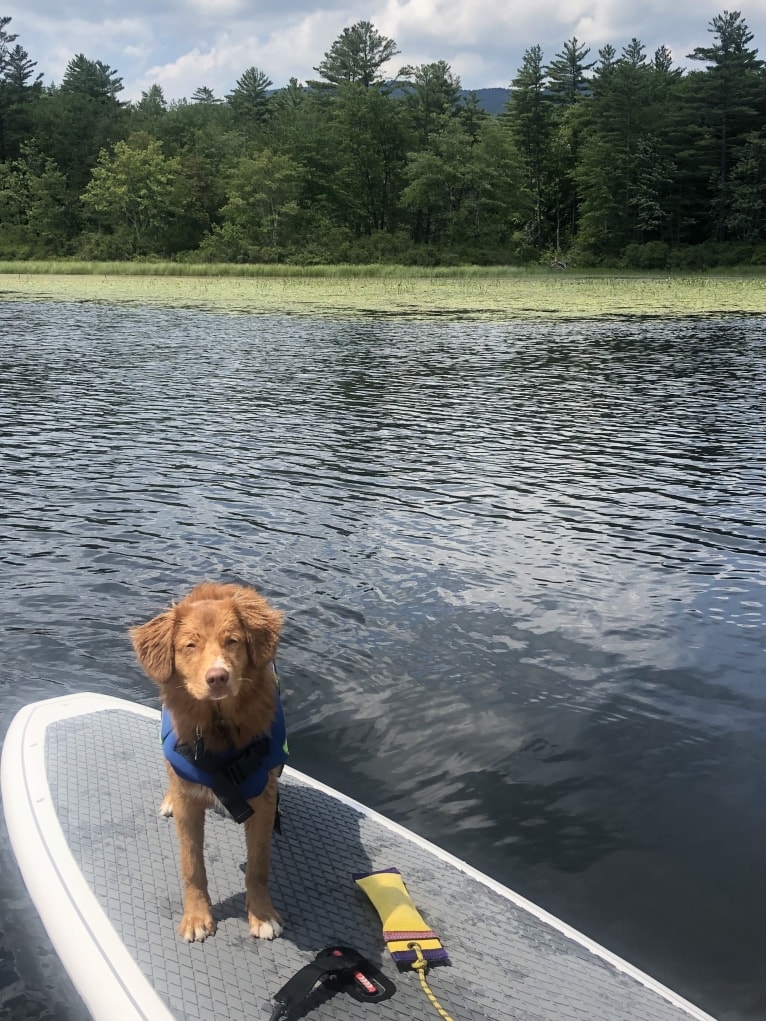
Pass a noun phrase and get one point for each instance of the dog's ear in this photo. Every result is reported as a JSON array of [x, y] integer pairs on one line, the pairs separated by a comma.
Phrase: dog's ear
[[153, 643], [262, 624]]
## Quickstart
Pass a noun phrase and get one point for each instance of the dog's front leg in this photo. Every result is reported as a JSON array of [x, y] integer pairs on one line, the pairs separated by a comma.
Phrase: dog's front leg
[[189, 814], [262, 917]]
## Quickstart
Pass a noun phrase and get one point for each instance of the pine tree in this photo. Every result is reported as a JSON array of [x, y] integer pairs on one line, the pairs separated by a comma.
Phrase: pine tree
[[205, 96], [624, 175], [567, 87], [432, 95], [472, 115], [530, 114], [79, 118], [92, 79], [18, 91], [567, 83], [249, 100], [356, 57], [725, 99], [6, 38]]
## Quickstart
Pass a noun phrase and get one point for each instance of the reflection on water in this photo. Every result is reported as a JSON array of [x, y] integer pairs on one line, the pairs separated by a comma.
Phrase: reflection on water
[[522, 568]]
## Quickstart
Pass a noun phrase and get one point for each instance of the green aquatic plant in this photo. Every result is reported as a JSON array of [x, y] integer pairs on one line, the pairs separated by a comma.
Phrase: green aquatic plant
[[472, 293]]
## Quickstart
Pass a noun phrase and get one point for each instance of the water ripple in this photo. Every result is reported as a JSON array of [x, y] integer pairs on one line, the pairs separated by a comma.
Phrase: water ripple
[[521, 565]]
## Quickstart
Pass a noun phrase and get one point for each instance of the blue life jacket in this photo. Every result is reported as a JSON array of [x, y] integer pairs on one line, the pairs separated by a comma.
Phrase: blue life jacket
[[245, 769]]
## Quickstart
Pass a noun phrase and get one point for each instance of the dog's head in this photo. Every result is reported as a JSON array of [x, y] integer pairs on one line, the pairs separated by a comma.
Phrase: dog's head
[[212, 641]]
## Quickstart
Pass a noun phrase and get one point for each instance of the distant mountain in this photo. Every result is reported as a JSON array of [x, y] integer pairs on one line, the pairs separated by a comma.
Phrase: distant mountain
[[491, 100]]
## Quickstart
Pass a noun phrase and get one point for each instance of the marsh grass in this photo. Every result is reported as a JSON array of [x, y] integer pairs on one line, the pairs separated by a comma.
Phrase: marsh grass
[[267, 270], [470, 292]]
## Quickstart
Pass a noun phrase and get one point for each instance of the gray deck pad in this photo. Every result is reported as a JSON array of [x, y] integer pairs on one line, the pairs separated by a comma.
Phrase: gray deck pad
[[107, 779]]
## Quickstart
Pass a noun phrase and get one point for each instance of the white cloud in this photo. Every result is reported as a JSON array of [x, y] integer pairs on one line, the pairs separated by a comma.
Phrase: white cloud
[[287, 52], [118, 42], [215, 9], [182, 44]]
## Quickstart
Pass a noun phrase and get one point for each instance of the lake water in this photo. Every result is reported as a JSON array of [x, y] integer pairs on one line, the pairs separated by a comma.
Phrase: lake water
[[522, 567]]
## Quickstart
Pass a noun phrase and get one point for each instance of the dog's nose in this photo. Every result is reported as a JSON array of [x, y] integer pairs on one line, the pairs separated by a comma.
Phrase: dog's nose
[[217, 677]]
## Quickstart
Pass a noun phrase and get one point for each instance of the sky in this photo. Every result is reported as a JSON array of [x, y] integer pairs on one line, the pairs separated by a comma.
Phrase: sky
[[184, 44]]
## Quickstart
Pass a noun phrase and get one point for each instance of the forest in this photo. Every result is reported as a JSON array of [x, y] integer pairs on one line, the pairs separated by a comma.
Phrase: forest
[[615, 159]]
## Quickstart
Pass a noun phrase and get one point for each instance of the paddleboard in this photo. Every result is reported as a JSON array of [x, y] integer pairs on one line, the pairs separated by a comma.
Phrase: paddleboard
[[82, 779]]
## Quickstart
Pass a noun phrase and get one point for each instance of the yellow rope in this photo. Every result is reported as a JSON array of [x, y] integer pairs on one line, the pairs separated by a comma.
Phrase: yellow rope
[[420, 966]]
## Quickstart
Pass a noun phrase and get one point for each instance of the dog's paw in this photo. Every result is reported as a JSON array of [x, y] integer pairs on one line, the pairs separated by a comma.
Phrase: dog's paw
[[263, 919], [166, 808], [269, 929], [196, 926]]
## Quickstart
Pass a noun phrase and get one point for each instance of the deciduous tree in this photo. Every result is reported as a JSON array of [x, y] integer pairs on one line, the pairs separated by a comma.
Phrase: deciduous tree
[[467, 193], [132, 195], [746, 215], [262, 192], [370, 142], [36, 215]]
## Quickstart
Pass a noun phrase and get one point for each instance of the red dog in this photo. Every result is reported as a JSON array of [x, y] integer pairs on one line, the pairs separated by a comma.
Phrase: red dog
[[212, 656]]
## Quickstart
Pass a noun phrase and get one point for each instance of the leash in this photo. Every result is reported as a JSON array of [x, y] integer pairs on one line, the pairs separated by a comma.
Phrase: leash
[[420, 965]]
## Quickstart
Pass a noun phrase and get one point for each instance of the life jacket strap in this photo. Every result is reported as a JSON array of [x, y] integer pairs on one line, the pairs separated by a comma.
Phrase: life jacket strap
[[227, 776]]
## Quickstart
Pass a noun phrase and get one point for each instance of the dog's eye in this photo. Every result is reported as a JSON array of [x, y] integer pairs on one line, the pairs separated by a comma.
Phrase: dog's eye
[[190, 645], [231, 640]]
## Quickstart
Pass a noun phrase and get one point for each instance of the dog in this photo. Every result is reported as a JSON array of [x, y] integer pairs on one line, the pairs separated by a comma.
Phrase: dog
[[212, 657]]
